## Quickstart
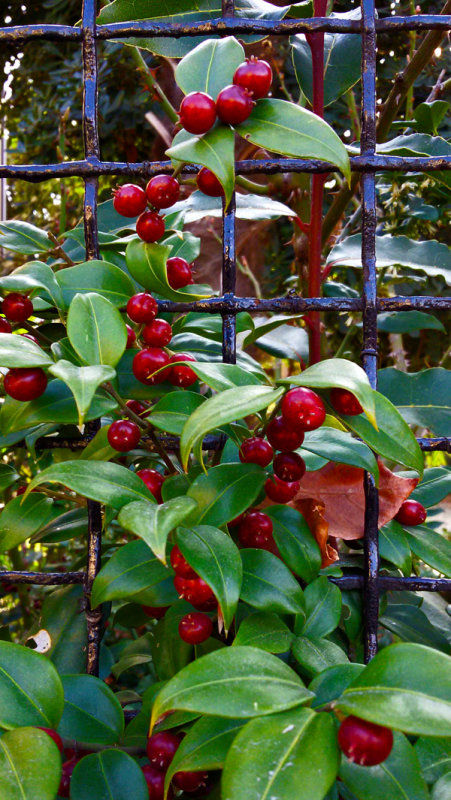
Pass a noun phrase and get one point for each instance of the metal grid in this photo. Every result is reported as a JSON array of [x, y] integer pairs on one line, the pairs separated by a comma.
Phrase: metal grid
[[228, 305]]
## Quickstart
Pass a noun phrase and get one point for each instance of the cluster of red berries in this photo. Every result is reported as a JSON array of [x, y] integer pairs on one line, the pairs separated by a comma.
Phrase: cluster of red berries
[[130, 200], [161, 749], [189, 586], [21, 383]]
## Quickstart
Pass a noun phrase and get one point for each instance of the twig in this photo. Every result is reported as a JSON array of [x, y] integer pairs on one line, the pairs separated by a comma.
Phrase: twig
[[153, 84], [58, 250], [251, 186]]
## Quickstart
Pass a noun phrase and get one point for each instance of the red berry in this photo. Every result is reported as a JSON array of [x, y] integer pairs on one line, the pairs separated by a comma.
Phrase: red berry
[[161, 749], [345, 402], [197, 112], [147, 362], [282, 436], [17, 307], [150, 226], [233, 105], [157, 333], [30, 337], [155, 783], [25, 383], [154, 481], [155, 612], [256, 526], [55, 736], [208, 183], [129, 200], [131, 337], [236, 521], [163, 191], [303, 409], [195, 628], [123, 435], [411, 513], [180, 565], [66, 775], [182, 376], [281, 491], [138, 408], [364, 742], [289, 467], [255, 75], [142, 308], [256, 451], [190, 782], [179, 272], [194, 591], [5, 327]]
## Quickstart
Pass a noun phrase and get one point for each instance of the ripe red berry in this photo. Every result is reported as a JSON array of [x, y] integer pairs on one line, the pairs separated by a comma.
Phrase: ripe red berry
[[182, 376], [30, 337], [255, 524], [157, 333], [364, 742], [256, 451], [282, 436], [194, 591], [281, 491], [123, 435], [142, 308], [66, 775], [179, 272], [345, 402], [208, 183], [155, 612], [163, 191], [197, 112], [289, 467], [129, 200], [25, 383], [17, 307], [147, 362], [180, 565], [411, 513], [154, 481], [131, 337], [155, 782], [55, 736], [195, 628], [150, 226], [303, 409], [190, 782], [233, 105], [5, 327], [255, 75], [138, 408], [161, 749]]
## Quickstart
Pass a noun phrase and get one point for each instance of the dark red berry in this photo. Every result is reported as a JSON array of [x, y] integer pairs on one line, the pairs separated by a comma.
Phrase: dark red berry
[[138, 408], [345, 402], [5, 327], [195, 628], [255, 75], [282, 436], [129, 200], [155, 782], [30, 337], [163, 191], [180, 375], [197, 112], [157, 333], [55, 736], [289, 467], [233, 105], [180, 565], [256, 451], [411, 513], [17, 307], [161, 749], [236, 521], [364, 742], [131, 337], [150, 226], [255, 524], [178, 272], [25, 383], [142, 308], [123, 435], [21, 490], [194, 591], [66, 775], [155, 612], [208, 183], [190, 782], [147, 362], [281, 491], [154, 481], [303, 409]]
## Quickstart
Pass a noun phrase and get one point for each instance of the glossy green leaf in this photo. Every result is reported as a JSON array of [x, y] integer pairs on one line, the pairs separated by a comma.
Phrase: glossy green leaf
[[30, 765], [61, 617], [248, 206], [431, 547], [82, 381], [269, 585], [16, 351], [331, 683], [434, 756], [340, 446], [172, 411], [315, 655], [435, 486], [266, 631], [108, 775], [410, 624], [92, 713], [405, 686], [225, 492], [30, 688], [442, 789], [33, 277], [22, 517], [147, 264], [101, 277], [408, 322], [428, 116], [290, 755], [210, 66], [394, 547], [153, 523], [234, 682], [99, 449], [23, 237], [96, 329], [8, 476], [132, 569], [420, 144], [322, 607], [296, 544], [224, 376], [422, 398], [208, 351], [215, 150], [169, 652]]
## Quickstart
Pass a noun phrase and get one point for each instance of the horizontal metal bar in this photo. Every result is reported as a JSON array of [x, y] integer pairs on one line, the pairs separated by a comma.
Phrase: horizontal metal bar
[[388, 583], [42, 578], [296, 304]]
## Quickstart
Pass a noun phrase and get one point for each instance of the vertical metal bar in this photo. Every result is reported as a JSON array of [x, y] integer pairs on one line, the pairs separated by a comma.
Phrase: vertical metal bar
[[228, 280], [228, 8], [92, 151], [369, 352]]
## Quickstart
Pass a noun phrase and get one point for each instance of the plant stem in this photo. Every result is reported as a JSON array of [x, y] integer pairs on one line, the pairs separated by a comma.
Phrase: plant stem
[[353, 113], [58, 250], [251, 186], [152, 83], [344, 342]]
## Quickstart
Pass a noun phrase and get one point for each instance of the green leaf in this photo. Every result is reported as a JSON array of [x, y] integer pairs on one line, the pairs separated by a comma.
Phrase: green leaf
[[30, 688], [435, 486], [30, 765], [332, 682], [22, 517], [224, 408], [210, 66], [410, 624], [434, 756], [269, 585], [172, 411], [169, 652], [272, 757], [339, 446], [422, 398], [99, 449], [297, 546], [100, 277], [22, 237], [266, 631], [286, 128], [208, 352], [216, 558], [82, 381], [420, 144], [61, 617], [215, 150], [153, 523], [224, 376], [147, 264], [408, 322], [225, 492], [322, 608], [8, 476], [96, 329], [17, 351], [109, 774], [234, 682], [248, 206], [442, 788], [131, 570], [394, 547], [92, 713], [315, 655], [32, 276], [431, 547], [405, 686], [428, 116]]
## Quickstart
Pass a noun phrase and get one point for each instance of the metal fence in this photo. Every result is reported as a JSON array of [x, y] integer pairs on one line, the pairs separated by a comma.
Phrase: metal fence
[[228, 304]]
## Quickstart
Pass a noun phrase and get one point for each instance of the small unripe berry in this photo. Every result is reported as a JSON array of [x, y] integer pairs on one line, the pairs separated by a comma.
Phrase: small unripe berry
[[123, 435], [163, 191], [197, 112], [129, 200]]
